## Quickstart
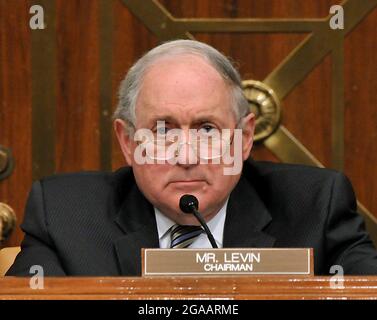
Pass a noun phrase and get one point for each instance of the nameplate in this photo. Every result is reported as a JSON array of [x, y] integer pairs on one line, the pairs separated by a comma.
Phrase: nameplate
[[253, 261]]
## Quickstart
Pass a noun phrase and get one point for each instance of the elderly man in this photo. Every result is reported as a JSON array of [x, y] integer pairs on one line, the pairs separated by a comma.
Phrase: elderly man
[[184, 128]]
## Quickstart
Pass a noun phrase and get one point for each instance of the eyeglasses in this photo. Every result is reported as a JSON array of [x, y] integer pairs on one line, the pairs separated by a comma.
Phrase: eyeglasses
[[205, 145]]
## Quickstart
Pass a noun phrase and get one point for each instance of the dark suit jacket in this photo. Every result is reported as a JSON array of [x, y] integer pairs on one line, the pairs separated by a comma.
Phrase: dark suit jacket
[[95, 223]]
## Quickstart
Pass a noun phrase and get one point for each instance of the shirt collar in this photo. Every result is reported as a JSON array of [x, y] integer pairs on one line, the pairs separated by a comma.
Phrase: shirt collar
[[163, 223], [215, 225]]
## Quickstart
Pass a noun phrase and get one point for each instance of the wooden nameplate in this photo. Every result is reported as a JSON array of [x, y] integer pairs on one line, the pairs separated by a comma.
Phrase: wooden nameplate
[[241, 261]]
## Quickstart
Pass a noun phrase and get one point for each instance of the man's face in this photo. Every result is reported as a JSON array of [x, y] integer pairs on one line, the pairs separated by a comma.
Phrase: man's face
[[186, 93]]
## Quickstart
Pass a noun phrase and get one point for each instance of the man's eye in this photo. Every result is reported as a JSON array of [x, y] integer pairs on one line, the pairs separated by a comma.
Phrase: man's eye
[[162, 130], [206, 128]]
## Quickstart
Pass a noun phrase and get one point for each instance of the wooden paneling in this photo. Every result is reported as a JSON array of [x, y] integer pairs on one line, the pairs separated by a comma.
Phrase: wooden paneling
[[15, 104], [131, 40], [307, 112], [77, 114], [249, 9], [84, 83]]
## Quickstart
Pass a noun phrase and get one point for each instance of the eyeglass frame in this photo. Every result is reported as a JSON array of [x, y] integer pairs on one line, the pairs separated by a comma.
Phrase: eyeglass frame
[[190, 143]]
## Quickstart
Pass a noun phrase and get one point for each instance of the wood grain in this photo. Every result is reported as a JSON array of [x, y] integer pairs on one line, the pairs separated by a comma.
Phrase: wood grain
[[131, 40], [15, 105], [77, 136], [235, 287], [249, 9]]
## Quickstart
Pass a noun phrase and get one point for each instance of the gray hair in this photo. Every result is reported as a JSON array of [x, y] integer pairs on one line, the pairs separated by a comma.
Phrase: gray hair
[[130, 86]]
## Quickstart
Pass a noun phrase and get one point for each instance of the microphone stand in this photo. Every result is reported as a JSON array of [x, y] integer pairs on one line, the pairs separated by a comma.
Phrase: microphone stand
[[204, 225]]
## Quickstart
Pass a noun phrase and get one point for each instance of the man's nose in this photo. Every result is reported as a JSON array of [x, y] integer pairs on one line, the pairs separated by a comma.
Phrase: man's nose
[[186, 155]]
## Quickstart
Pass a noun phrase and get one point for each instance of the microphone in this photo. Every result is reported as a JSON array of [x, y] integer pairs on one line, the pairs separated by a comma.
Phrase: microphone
[[190, 204]]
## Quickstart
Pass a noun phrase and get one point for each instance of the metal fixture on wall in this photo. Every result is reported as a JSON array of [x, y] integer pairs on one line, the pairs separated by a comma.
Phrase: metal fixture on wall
[[7, 221], [265, 105], [7, 215], [6, 162]]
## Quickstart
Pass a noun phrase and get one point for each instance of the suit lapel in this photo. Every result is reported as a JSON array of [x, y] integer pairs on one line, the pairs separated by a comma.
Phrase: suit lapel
[[246, 218], [137, 220]]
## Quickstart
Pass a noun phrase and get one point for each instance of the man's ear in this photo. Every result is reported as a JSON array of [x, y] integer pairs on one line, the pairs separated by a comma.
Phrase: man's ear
[[248, 126], [124, 139]]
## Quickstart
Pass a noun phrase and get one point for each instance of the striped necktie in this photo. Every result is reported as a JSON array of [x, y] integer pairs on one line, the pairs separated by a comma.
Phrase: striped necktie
[[183, 236]]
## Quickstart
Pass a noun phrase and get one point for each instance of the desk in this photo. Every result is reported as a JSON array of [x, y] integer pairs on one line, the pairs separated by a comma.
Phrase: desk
[[236, 287]]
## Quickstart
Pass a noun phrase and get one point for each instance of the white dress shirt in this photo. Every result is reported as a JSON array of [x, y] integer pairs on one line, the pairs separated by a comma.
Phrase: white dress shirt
[[216, 225]]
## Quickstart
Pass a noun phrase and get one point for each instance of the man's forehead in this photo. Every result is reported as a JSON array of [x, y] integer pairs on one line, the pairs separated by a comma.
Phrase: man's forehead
[[182, 93], [185, 70], [175, 113], [171, 108], [193, 119]]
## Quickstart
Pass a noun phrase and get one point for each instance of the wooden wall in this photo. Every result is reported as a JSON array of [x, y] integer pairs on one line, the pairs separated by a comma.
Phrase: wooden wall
[[58, 86]]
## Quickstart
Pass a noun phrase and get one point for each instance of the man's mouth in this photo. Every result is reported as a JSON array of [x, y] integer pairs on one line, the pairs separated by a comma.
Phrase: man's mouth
[[188, 181], [187, 185]]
